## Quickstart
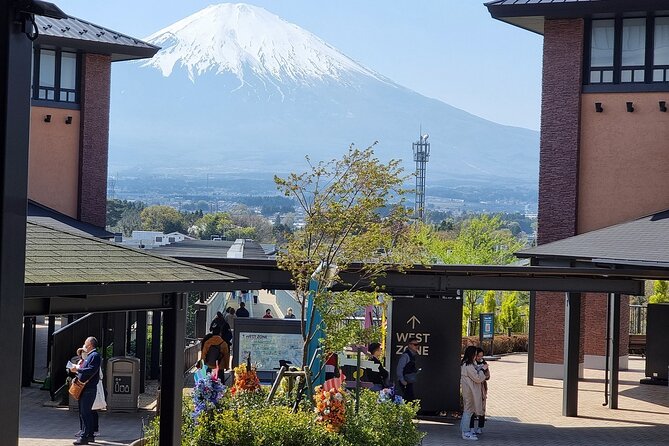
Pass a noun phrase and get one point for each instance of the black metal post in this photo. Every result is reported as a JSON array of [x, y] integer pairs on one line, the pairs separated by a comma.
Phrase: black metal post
[[155, 344], [118, 325], [140, 345], [614, 348], [15, 63], [572, 338], [28, 364], [171, 378], [49, 338], [530, 338]]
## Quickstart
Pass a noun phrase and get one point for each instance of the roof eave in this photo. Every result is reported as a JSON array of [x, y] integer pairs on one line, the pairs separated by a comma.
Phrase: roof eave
[[117, 52]]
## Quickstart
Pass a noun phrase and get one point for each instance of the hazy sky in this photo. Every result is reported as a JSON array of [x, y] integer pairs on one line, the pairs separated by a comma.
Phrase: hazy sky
[[446, 49]]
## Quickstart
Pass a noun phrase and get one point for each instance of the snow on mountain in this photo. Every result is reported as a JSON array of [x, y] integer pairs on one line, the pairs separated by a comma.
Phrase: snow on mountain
[[237, 37], [237, 88]]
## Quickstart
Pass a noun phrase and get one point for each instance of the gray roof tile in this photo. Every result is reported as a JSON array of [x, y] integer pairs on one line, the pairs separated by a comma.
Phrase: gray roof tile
[[641, 241]]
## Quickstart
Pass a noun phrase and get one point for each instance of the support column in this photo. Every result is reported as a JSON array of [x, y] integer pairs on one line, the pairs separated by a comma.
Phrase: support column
[[155, 344], [140, 345], [28, 361], [49, 338], [530, 338], [15, 63], [614, 349], [118, 327], [171, 379], [572, 341]]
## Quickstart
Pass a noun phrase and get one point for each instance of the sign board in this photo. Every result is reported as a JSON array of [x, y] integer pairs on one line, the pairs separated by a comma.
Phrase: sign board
[[437, 324], [487, 325], [122, 384], [268, 341], [267, 349]]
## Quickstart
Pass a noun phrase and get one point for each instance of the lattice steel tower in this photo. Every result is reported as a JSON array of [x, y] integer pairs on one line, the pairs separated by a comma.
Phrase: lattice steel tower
[[421, 155]]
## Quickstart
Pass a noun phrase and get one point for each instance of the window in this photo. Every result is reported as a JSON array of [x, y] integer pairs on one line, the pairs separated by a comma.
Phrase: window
[[56, 74], [159, 239], [628, 51]]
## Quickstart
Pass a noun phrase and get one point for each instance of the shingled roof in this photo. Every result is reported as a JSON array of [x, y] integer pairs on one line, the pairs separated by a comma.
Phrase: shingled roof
[[641, 242], [79, 34], [56, 257]]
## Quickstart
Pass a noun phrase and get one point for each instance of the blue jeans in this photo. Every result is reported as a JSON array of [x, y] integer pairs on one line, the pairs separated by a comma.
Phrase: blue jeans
[[86, 410], [464, 421]]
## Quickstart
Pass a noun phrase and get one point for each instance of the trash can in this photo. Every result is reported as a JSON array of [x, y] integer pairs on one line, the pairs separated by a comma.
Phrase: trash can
[[122, 384]]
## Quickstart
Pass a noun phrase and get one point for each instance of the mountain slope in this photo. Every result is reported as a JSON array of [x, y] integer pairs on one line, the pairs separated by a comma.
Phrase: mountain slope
[[236, 88]]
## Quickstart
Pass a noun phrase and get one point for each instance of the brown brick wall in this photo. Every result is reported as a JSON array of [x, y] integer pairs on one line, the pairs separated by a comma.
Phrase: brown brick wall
[[560, 129], [94, 141], [595, 323], [549, 328]]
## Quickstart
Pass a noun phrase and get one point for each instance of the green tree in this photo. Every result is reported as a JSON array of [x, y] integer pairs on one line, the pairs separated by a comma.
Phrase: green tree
[[216, 223], [660, 292], [509, 314], [162, 218], [341, 200], [131, 220]]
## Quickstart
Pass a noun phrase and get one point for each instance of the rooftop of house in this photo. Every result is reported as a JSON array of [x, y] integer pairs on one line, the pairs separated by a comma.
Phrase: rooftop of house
[[530, 14], [78, 34]]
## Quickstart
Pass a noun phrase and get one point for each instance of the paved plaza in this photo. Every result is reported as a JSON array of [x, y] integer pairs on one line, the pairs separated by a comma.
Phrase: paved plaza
[[518, 414]]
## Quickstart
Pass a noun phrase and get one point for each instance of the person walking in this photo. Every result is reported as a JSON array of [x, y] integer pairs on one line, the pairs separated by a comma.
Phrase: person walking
[[268, 314], [479, 363], [89, 372], [215, 352], [242, 311], [407, 372], [289, 314], [230, 317], [471, 380], [217, 321]]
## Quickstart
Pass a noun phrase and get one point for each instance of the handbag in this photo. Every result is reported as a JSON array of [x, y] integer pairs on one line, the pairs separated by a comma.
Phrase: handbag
[[100, 403], [76, 387]]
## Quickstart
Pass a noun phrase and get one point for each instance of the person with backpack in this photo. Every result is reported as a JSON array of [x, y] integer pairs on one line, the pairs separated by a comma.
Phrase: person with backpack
[[407, 372], [215, 351]]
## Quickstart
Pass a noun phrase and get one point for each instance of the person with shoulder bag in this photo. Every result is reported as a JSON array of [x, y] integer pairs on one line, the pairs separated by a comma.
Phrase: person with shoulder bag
[[86, 381]]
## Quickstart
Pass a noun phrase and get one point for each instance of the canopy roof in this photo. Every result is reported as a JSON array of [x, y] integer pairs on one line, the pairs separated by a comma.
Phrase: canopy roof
[[643, 242]]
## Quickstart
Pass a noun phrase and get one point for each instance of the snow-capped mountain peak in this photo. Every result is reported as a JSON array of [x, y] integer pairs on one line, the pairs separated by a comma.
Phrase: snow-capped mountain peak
[[248, 40]]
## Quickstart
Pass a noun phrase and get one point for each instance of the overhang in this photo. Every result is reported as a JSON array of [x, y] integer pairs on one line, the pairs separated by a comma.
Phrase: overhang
[[77, 34], [530, 14]]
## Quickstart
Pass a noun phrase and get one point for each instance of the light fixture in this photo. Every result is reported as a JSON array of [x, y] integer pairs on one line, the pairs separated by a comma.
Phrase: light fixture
[[598, 107], [630, 107], [47, 118], [663, 106], [68, 120]]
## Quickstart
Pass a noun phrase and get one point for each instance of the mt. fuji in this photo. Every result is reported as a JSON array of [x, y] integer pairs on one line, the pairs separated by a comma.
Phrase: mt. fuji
[[236, 88]]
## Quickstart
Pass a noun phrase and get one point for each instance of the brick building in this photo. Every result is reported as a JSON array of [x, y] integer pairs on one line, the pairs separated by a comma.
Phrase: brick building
[[69, 125], [603, 154]]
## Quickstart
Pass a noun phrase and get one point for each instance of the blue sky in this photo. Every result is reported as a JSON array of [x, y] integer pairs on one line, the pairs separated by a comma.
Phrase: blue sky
[[445, 49]]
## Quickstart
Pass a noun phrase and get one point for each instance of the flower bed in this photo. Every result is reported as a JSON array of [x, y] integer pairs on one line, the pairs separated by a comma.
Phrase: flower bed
[[247, 419]]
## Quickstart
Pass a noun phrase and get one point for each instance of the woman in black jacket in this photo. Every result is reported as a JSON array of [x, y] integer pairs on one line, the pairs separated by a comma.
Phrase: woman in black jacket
[[380, 378]]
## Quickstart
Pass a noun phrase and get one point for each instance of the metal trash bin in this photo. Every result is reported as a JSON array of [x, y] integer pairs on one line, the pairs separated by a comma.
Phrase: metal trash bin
[[122, 384]]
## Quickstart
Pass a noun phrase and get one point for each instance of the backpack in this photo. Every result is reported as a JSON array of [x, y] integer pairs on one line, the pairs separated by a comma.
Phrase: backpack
[[213, 355]]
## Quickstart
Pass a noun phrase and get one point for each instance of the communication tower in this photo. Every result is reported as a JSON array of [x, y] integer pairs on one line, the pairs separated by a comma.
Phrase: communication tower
[[421, 155]]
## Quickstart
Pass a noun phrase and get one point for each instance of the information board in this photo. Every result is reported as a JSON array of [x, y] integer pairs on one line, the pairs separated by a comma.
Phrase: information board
[[436, 323], [487, 325], [267, 349]]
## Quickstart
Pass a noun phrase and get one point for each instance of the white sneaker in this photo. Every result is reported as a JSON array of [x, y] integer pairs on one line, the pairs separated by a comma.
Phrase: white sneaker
[[469, 436], [478, 431]]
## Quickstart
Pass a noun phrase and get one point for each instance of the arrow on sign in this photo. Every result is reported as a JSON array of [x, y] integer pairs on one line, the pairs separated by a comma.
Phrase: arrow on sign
[[412, 320]]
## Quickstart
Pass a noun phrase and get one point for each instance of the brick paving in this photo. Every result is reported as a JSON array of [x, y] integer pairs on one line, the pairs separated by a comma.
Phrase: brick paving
[[518, 414], [522, 415]]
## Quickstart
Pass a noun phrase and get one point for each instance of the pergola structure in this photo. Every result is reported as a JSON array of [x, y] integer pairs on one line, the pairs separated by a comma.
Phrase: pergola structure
[[571, 277]]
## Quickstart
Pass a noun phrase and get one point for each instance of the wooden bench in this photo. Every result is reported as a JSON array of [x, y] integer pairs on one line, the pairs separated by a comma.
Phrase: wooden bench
[[637, 344]]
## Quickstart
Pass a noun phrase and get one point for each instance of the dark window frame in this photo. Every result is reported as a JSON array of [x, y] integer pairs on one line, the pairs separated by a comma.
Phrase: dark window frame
[[617, 85], [57, 89]]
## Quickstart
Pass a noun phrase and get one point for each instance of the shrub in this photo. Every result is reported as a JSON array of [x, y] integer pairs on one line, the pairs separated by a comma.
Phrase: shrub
[[501, 344]]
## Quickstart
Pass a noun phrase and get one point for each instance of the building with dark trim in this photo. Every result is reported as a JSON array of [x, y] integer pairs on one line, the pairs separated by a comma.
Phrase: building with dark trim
[[69, 122], [603, 154]]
